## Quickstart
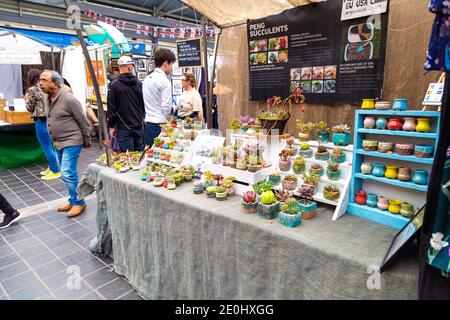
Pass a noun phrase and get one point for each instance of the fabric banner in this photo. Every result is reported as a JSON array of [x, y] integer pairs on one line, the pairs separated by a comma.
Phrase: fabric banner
[[20, 57], [309, 48]]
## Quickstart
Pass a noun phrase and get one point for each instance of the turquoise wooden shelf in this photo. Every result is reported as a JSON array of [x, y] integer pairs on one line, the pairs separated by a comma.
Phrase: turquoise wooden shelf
[[412, 113], [395, 156], [395, 221], [394, 182], [430, 135]]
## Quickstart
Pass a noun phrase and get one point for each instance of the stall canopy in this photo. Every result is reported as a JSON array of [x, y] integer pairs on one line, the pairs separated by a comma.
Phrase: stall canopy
[[233, 12]]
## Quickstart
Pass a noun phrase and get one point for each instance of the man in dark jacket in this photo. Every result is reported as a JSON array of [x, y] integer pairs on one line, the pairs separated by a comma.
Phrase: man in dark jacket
[[126, 109]]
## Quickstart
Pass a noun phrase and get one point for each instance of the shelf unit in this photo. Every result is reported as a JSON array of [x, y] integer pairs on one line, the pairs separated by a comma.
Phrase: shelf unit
[[390, 188], [343, 183]]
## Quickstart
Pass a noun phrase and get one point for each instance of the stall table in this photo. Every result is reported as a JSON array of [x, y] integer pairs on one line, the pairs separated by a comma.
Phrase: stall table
[[19, 145], [178, 245]]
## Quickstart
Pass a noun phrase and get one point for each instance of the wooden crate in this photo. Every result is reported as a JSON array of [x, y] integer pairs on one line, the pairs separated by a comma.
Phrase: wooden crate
[[2, 107], [18, 117]]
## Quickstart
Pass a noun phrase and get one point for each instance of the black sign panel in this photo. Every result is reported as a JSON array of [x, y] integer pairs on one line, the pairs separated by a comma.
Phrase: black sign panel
[[309, 48], [189, 53]]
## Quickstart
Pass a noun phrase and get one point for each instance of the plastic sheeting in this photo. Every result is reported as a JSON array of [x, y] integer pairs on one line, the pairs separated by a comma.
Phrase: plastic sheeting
[[11, 82], [74, 72], [232, 12]]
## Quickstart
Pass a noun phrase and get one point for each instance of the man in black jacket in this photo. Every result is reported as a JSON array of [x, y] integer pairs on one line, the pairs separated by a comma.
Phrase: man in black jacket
[[126, 109]]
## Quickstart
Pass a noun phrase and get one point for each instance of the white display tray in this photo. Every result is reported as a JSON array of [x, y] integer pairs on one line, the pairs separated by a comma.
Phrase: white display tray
[[241, 175]]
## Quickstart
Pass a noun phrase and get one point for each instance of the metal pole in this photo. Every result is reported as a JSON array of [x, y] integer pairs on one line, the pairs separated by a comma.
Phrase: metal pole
[[100, 133], [53, 59], [205, 54], [216, 46], [101, 112]]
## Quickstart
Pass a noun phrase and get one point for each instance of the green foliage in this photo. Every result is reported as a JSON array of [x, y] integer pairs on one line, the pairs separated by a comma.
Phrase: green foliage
[[262, 187]]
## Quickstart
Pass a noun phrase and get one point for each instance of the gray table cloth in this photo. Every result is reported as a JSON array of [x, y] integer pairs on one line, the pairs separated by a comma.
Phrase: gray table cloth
[[178, 245]]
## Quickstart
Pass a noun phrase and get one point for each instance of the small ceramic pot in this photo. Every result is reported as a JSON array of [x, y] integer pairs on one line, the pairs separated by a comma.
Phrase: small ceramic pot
[[289, 185], [369, 123], [340, 158], [318, 171], [391, 172], [308, 210], [323, 156], [361, 197], [341, 139], [420, 177], [249, 207], [275, 179], [331, 195], [394, 206], [285, 165], [381, 123], [400, 104], [221, 196], [407, 209], [383, 203], [404, 174], [306, 189], [268, 211], [323, 136], [410, 124], [378, 170], [423, 150], [382, 105], [305, 153], [333, 175], [370, 145], [290, 220], [395, 124], [372, 200], [299, 168], [366, 168], [255, 168], [303, 136], [385, 147], [423, 125], [368, 104], [404, 149]]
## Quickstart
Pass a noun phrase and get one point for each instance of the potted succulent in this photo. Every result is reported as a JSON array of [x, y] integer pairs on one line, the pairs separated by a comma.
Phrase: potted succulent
[[228, 184], [198, 187], [245, 122], [308, 208], [289, 182], [208, 179], [341, 135], [323, 132], [157, 142], [253, 161], [221, 193], [333, 171], [164, 130], [178, 178], [331, 192], [249, 203], [275, 178], [268, 207], [241, 164], [290, 215], [216, 156], [235, 125], [316, 168], [305, 129], [299, 165], [211, 192], [290, 146], [188, 123], [285, 160], [322, 153], [305, 151], [144, 174], [309, 185], [262, 187], [282, 195], [189, 173], [338, 155], [198, 124]]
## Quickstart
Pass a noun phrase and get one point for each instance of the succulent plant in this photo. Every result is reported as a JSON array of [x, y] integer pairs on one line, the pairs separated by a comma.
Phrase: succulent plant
[[291, 206], [342, 128], [285, 155], [323, 127], [290, 177], [305, 127], [249, 197], [262, 187], [321, 149], [304, 146], [221, 190], [228, 181], [331, 188], [311, 180], [333, 166], [299, 161], [268, 198], [290, 141], [283, 195], [253, 160]]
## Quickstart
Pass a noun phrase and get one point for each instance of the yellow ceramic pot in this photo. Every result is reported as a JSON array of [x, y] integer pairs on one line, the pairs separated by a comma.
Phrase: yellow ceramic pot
[[394, 206], [391, 172], [368, 104], [423, 125]]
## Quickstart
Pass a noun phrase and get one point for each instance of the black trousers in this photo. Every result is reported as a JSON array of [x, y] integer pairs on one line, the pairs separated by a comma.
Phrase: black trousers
[[5, 206]]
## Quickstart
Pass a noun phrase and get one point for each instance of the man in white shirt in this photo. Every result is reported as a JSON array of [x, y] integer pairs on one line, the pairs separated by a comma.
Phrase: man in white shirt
[[157, 91]]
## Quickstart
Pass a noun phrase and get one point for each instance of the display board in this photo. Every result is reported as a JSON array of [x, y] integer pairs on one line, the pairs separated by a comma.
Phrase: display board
[[189, 53], [309, 48]]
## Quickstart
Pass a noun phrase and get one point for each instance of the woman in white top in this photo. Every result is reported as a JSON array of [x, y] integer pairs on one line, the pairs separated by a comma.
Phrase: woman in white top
[[190, 102]]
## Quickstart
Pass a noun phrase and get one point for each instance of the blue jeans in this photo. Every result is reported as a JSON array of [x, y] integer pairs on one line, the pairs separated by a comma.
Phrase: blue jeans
[[152, 130], [46, 144], [68, 160], [131, 140]]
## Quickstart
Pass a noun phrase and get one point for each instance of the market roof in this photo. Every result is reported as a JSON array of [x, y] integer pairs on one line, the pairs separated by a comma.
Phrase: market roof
[[232, 12]]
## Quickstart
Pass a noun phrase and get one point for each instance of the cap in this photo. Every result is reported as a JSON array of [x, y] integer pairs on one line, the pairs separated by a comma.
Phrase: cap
[[125, 60]]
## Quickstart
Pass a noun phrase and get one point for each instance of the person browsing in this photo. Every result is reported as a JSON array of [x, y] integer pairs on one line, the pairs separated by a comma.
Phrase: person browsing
[[190, 102]]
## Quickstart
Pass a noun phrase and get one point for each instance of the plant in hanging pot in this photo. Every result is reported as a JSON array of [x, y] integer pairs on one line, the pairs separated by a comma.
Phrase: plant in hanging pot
[[305, 150], [249, 203], [253, 163], [341, 135], [285, 160], [282, 195], [333, 171], [268, 207], [289, 182], [221, 193], [322, 153], [316, 168], [338, 155], [304, 130], [331, 192], [290, 215], [307, 208], [299, 165], [323, 132]]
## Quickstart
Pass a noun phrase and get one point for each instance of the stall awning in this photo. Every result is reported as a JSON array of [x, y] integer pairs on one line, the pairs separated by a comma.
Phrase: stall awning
[[232, 12]]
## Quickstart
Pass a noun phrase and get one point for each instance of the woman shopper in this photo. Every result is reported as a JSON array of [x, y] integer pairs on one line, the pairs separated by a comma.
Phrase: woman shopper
[[11, 214], [190, 102], [35, 100]]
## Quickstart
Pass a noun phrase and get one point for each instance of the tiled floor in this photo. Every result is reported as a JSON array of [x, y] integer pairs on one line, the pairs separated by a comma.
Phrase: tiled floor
[[23, 186], [41, 256]]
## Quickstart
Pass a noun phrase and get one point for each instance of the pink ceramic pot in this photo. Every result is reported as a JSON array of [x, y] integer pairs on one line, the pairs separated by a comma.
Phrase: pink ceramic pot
[[410, 124], [369, 123], [383, 203]]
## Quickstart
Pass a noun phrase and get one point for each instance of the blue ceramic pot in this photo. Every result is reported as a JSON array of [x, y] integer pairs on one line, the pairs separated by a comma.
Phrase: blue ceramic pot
[[420, 177], [305, 153], [378, 170], [341, 139], [381, 123], [323, 136], [400, 104], [333, 175], [268, 212], [207, 185], [275, 180], [372, 200], [290, 220], [423, 150]]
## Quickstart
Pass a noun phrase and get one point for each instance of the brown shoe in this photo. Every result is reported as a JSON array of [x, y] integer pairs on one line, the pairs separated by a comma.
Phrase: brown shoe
[[76, 211], [65, 207]]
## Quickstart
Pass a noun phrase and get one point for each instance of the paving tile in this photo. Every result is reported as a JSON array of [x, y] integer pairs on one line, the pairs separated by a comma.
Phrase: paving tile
[[9, 259], [62, 222], [76, 258], [47, 296], [41, 259], [65, 293], [12, 230], [57, 281], [5, 250], [51, 234], [33, 250], [130, 296], [12, 270], [3, 298], [106, 260], [72, 228], [115, 289], [31, 219], [89, 266], [54, 243], [82, 234], [91, 296], [31, 292], [18, 282], [84, 242], [67, 249], [101, 277], [50, 269], [47, 227], [19, 237], [36, 225], [51, 197]]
